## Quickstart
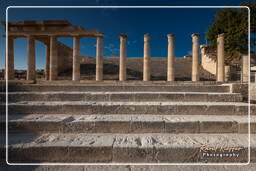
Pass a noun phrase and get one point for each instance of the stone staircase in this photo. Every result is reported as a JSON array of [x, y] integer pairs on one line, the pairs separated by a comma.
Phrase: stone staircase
[[126, 123]]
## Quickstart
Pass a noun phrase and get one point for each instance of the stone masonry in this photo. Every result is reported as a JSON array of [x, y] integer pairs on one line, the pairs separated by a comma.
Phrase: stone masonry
[[59, 57], [122, 121], [117, 122], [46, 31]]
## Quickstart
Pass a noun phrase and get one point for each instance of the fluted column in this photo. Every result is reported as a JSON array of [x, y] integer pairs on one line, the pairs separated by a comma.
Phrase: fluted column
[[31, 60], [245, 68], [220, 58], [99, 60], [53, 58], [122, 65], [10, 60], [47, 62], [146, 64], [195, 57], [76, 59], [170, 62]]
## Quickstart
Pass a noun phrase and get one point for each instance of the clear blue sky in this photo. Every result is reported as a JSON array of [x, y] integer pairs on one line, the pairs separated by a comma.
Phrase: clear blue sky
[[111, 22]]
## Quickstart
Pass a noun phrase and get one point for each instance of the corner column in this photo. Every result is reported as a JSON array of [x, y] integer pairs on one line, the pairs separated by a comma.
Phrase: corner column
[[76, 59], [220, 58], [53, 59], [47, 63], [170, 62], [245, 69], [9, 57], [122, 65], [195, 57], [31, 68], [99, 60], [146, 60]]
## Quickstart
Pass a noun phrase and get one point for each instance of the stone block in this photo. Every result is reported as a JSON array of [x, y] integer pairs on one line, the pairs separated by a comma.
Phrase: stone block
[[181, 127], [195, 97], [147, 124], [218, 126], [132, 149]]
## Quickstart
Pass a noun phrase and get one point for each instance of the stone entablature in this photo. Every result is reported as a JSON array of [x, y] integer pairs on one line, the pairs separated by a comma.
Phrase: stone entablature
[[57, 28]]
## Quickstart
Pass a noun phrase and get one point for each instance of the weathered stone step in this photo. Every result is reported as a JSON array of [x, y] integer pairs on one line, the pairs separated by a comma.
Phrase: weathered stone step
[[127, 88], [129, 148], [162, 108], [128, 123], [122, 96]]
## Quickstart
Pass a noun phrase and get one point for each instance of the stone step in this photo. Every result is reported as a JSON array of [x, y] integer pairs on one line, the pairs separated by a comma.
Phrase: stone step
[[129, 148], [128, 123], [118, 88], [122, 96], [162, 108]]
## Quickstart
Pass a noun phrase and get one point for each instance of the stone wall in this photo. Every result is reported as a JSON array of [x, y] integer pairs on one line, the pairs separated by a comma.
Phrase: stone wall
[[253, 91], [182, 69], [65, 56], [208, 63]]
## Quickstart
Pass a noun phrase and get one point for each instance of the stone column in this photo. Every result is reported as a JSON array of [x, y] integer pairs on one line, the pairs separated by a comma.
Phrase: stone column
[[220, 58], [99, 60], [170, 62], [195, 57], [31, 68], [76, 59], [122, 65], [245, 68], [146, 64], [10, 60], [47, 63], [53, 59]]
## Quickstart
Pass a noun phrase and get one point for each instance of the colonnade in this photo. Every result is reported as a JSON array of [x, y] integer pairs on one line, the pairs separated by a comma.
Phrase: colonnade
[[51, 69]]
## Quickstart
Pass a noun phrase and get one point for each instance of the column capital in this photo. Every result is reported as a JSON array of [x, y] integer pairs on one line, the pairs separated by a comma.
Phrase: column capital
[[195, 35], [100, 37], [221, 35], [146, 37], [203, 46], [170, 35], [77, 36], [53, 36], [31, 36], [123, 35]]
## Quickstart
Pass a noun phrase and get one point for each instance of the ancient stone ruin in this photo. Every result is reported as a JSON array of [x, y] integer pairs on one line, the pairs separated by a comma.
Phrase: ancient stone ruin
[[60, 57], [122, 121]]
